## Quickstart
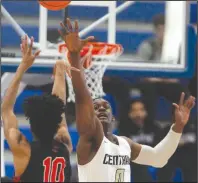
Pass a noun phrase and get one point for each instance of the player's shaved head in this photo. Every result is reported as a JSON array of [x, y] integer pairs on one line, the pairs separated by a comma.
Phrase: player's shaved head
[[45, 114]]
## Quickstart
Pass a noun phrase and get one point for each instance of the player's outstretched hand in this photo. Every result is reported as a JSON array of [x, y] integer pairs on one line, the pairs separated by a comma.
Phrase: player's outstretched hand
[[64, 67], [182, 110], [71, 37], [26, 50]]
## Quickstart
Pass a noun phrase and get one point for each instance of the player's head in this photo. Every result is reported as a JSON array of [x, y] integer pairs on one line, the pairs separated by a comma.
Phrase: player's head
[[103, 111], [45, 114], [159, 23]]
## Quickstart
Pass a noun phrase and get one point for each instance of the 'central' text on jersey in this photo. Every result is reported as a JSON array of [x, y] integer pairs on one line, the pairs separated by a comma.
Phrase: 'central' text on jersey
[[116, 160]]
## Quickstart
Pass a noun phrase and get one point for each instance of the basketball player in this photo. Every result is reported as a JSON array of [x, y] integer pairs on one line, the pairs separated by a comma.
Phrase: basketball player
[[46, 159], [102, 156]]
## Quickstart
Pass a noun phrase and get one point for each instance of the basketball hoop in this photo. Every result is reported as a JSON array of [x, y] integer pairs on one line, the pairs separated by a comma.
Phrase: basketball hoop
[[95, 52]]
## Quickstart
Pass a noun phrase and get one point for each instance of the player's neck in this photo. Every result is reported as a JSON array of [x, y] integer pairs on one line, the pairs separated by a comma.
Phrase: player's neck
[[109, 135], [107, 130]]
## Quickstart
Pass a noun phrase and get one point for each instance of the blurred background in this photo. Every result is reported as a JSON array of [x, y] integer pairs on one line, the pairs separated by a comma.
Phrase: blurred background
[[142, 106]]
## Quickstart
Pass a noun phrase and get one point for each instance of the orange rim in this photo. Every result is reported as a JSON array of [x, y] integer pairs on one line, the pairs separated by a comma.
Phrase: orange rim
[[97, 47]]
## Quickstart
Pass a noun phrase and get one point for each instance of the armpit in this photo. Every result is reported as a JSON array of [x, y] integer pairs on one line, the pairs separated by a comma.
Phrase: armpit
[[135, 148]]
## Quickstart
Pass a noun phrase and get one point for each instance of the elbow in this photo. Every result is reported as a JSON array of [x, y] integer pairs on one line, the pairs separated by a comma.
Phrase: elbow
[[4, 110], [86, 127]]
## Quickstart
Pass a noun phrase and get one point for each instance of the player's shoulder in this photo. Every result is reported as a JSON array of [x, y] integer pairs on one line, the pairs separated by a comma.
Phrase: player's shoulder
[[58, 146], [126, 139]]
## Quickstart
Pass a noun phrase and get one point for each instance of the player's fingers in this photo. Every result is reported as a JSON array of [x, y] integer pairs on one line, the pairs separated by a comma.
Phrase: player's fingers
[[69, 25], [90, 61], [192, 105], [175, 105], [83, 60], [74, 69], [26, 42], [90, 38], [68, 73], [21, 48], [64, 30], [36, 54], [181, 101], [87, 56], [187, 102], [76, 26], [191, 102], [31, 45], [61, 34], [85, 41], [86, 63], [22, 39], [23, 43], [68, 67], [64, 27]]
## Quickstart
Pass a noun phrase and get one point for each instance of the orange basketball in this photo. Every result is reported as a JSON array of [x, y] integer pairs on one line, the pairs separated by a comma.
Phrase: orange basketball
[[54, 5]]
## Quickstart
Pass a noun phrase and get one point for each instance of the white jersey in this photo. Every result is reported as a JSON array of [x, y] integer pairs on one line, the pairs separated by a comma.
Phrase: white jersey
[[110, 164]]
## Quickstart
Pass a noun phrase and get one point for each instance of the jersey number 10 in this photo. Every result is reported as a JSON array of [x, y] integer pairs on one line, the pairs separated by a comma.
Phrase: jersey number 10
[[51, 173]]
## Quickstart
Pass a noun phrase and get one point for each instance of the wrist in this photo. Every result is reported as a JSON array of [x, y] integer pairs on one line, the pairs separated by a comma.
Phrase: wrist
[[177, 128], [74, 54], [60, 70], [22, 68], [74, 59]]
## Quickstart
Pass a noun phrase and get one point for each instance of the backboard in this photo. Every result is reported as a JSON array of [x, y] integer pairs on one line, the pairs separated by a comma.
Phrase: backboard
[[133, 25]]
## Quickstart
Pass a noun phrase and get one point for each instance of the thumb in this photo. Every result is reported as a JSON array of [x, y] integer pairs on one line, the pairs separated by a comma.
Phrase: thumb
[[88, 39], [36, 54], [175, 105]]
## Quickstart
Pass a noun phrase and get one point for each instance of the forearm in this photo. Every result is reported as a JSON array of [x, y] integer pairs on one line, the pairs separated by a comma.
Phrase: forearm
[[78, 80], [8, 116], [160, 154], [11, 93], [59, 89], [85, 115]]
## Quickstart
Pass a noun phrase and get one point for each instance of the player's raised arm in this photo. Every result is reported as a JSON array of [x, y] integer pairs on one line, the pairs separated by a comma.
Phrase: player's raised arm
[[87, 123], [160, 154], [16, 140], [59, 89]]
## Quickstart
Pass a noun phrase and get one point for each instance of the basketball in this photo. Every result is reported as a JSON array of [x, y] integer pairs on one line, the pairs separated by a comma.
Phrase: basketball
[[54, 5]]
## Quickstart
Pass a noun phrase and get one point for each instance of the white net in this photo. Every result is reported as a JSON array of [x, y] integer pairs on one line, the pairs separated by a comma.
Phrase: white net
[[94, 73]]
